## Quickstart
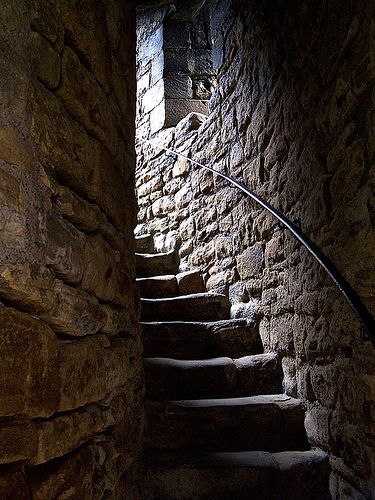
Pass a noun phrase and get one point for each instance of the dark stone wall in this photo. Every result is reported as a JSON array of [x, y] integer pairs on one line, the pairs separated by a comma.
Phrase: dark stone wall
[[71, 382], [293, 119]]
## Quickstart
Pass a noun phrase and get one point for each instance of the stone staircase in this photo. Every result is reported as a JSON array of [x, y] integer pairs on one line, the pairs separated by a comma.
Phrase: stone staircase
[[217, 423]]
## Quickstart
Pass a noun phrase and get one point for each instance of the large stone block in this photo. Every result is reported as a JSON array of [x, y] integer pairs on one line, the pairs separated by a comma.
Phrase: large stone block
[[86, 100], [79, 161], [64, 248], [86, 25], [90, 369], [103, 275], [250, 262], [12, 211], [46, 62], [177, 109], [28, 356], [28, 286], [81, 213], [75, 312], [89, 472]]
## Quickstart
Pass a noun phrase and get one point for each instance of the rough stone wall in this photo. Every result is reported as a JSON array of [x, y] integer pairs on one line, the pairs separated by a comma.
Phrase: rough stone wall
[[174, 68], [293, 119], [71, 386]]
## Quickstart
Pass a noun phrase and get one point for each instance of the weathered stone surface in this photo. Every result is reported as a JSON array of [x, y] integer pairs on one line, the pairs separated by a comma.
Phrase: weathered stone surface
[[64, 248], [47, 62], [80, 473], [75, 312], [85, 99], [190, 282], [177, 109], [198, 307], [28, 286], [196, 340], [69, 149], [117, 320], [102, 272], [28, 352], [12, 210], [14, 149], [240, 423], [82, 214], [89, 370]]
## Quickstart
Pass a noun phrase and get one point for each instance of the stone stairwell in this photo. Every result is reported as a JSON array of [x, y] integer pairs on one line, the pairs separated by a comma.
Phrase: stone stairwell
[[217, 423]]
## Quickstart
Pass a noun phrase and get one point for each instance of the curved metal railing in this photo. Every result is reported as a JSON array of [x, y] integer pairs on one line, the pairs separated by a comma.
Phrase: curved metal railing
[[363, 314]]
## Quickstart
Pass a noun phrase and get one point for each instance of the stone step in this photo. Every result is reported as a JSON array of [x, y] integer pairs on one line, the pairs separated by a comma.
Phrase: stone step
[[272, 423], [156, 264], [259, 374], [231, 476], [169, 378], [158, 286], [144, 244], [170, 285], [199, 306], [200, 340]]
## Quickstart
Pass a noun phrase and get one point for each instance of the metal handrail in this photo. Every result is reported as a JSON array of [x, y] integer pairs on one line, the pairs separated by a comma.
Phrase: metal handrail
[[363, 314]]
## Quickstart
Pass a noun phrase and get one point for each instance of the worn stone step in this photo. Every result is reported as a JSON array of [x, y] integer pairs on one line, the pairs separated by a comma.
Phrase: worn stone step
[[169, 285], [259, 374], [200, 340], [251, 375], [271, 423], [167, 377], [158, 286], [144, 244], [260, 475], [156, 264], [199, 306]]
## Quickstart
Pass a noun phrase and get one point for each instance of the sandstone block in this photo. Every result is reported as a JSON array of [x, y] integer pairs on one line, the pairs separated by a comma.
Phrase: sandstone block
[[81, 213], [118, 320], [46, 62], [177, 109], [178, 87], [190, 282], [85, 99], [28, 356], [64, 248], [12, 211], [18, 441], [87, 24], [79, 161], [64, 433], [75, 312], [89, 372], [14, 149], [28, 286], [47, 24], [72, 476], [102, 274], [163, 206], [250, 262]]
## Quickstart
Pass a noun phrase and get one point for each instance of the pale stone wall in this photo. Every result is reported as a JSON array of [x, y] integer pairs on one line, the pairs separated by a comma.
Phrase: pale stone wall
[[174, 68], [71, 386], [293, 119]]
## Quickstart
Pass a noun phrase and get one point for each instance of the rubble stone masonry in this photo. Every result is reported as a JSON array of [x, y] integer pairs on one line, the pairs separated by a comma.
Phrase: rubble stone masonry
[[293, 119], [71, 384]]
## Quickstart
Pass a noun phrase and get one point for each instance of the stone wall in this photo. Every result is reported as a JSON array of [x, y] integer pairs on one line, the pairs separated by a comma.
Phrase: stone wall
[[71, 386], [292, 118], [174, 68]]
